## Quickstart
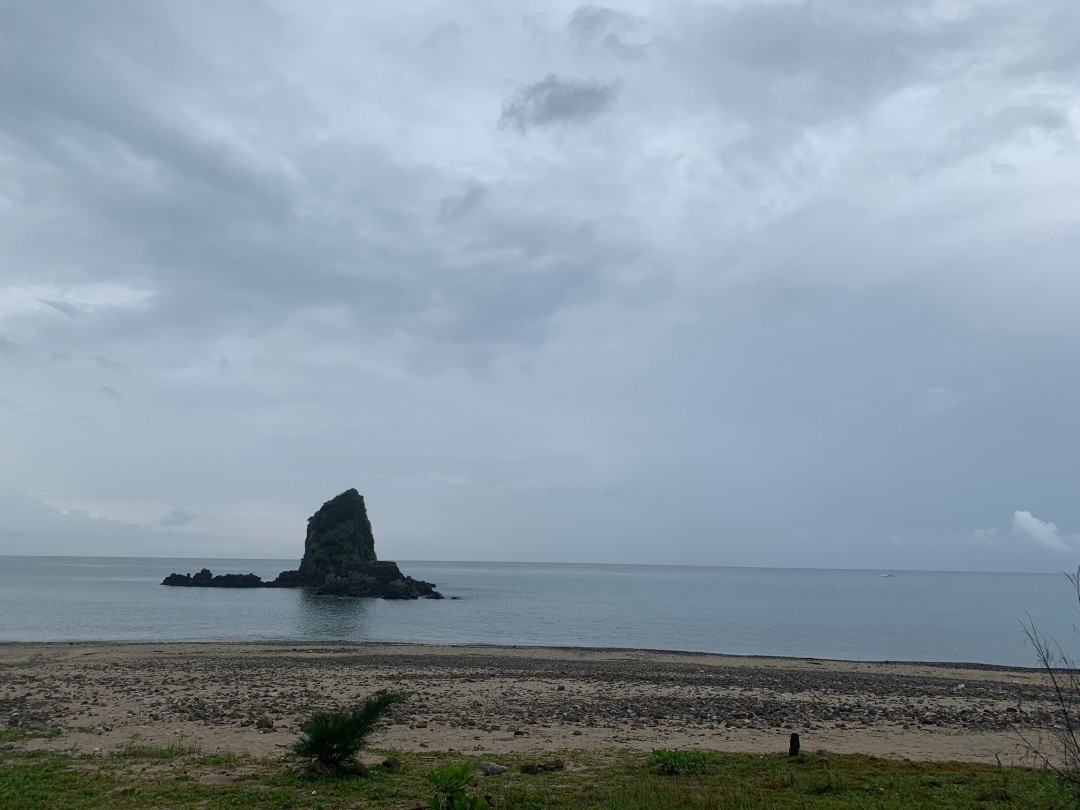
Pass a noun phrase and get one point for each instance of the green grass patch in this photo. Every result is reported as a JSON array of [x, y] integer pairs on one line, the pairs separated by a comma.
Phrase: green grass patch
[[174, 750], [178, 777], [11, 736], [674, 762], [225, 760]]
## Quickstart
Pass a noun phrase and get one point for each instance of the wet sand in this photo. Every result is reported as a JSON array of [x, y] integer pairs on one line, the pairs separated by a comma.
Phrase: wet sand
[[498, 699]]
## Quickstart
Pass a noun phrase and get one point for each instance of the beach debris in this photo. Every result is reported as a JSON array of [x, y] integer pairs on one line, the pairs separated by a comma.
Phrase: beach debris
[[492, 768]]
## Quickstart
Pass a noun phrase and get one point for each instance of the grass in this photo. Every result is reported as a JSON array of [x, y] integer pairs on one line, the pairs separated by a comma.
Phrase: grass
[[674, 762], [10, 736], [174, 750], [175, 777]]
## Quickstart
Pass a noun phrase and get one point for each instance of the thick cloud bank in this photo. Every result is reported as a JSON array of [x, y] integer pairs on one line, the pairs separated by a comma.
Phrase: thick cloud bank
[[745, 283]]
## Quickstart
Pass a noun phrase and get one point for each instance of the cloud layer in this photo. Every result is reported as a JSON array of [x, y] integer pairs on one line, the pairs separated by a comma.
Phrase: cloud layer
[[732, 283]]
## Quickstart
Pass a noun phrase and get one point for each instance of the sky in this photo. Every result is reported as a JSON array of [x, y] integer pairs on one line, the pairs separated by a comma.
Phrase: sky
[[765, 283]]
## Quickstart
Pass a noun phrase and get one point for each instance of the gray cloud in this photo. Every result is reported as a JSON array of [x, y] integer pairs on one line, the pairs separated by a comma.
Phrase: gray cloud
[[10, 347], [616, 30], [557, 100], [32, 524], [111, 393], [65, 307], [461, 205], [14, 407], [178, 516], [106, 363]]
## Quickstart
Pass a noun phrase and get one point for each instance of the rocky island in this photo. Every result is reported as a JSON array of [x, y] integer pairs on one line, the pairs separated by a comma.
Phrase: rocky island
[[339, 560]]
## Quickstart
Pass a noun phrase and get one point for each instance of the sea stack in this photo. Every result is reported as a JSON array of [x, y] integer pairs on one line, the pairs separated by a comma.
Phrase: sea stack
[[339, 560], [339, 538]]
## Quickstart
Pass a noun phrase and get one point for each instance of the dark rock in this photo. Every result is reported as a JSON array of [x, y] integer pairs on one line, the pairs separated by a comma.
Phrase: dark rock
[[206, 579], [236, 581], [181, 580], [391, 763], [203, 579], [378, 579], [542, 767], [288, 579]]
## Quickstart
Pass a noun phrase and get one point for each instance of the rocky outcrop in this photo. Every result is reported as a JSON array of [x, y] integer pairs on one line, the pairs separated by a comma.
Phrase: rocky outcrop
[[339, 538], [339, 560], [382, 578], [205, 579]]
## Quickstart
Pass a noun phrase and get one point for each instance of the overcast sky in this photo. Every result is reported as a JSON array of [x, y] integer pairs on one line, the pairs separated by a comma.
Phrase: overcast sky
[[729, 283]]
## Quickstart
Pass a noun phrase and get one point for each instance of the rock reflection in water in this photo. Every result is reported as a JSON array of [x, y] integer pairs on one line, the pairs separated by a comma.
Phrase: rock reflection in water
[[331, 617]]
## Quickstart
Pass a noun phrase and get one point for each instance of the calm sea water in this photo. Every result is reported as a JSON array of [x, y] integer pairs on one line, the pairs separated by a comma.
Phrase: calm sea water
[[860, 615]]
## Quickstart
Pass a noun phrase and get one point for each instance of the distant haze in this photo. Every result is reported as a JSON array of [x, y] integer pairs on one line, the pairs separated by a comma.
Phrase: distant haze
[[735, 283]]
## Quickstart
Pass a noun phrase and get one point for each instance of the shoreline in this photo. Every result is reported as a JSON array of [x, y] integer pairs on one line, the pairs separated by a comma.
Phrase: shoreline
[[469, 645], [497, 698]]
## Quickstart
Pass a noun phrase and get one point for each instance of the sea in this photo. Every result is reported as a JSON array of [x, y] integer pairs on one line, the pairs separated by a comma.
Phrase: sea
[[840, 614]]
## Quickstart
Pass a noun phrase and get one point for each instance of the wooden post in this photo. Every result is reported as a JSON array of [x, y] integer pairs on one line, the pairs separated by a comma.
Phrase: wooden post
[[793, 746]]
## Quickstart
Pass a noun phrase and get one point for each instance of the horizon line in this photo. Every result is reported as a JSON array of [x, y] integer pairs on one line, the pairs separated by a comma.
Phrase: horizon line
[[552, 562]]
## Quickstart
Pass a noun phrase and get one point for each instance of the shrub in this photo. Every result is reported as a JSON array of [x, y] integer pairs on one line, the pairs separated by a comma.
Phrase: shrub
[[450, 781], [1063, 758], [333, 739], [673, 762]]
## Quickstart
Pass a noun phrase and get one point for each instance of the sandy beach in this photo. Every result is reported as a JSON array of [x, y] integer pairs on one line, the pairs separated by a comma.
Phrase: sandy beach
[[502, 699]]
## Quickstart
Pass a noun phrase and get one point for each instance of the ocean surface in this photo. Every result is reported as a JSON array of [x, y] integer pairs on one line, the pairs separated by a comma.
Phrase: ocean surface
[[855, 615]]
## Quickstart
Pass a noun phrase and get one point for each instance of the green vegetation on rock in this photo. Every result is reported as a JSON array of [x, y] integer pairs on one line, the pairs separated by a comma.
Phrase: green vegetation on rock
[[339, 538]]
